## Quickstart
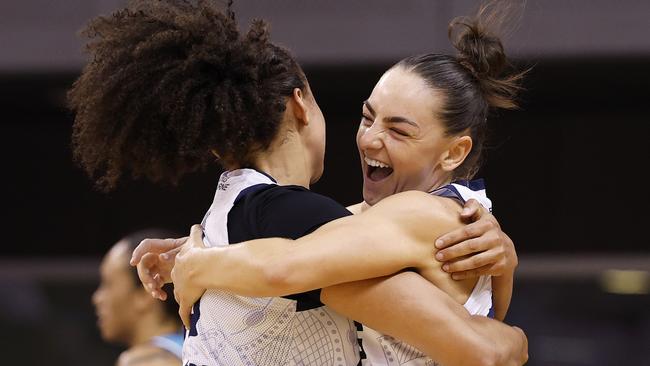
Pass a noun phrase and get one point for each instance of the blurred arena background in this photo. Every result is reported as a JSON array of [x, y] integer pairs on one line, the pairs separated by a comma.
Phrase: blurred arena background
[[566, 172]]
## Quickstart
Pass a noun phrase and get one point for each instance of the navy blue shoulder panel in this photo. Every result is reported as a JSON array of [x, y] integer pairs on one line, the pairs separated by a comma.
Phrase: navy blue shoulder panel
[[450, 191], [271, 210], [251, 190]]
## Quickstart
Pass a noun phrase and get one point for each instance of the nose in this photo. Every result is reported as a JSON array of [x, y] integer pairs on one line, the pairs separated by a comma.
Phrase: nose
[[95, 297], [371, 137]]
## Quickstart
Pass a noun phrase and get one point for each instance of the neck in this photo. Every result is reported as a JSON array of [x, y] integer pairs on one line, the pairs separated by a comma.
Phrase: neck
[[437, 183], [287, 161], [151, 325]]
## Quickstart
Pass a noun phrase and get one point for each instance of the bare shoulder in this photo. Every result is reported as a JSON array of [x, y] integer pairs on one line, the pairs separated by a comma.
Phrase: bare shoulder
[[418, 204], [147, 355]]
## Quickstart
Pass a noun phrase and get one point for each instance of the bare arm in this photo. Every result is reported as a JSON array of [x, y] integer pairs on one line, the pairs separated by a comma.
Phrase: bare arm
[[396, 233], [502, 294], [428, 319]]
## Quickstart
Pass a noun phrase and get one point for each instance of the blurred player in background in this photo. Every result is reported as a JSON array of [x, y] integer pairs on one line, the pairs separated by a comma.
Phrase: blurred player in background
[[127, 314]]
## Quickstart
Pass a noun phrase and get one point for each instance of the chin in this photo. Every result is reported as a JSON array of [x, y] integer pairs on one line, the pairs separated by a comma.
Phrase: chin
[[371, 198], [107, 332], [107, 335]]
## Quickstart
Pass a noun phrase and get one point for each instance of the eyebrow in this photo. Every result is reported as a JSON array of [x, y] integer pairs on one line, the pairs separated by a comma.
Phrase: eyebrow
[[392, 119]]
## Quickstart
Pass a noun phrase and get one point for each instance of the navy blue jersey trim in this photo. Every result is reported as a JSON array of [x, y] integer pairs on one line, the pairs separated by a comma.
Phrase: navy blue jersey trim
[[362, 352], [194, 318], [306, 300], [474, 185], [448, 191]]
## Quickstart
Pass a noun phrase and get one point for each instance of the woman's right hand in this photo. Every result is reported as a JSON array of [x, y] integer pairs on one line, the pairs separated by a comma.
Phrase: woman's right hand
[[477, 249], [154, 259], [186, 291]]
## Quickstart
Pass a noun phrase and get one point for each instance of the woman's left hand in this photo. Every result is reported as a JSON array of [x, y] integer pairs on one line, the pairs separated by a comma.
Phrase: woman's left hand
[[479, 248], [185, 292]]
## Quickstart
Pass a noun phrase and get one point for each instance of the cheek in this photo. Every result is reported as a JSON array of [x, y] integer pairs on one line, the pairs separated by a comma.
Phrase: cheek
[[109, 305], [118, 302], [403, 163], [409, 163]]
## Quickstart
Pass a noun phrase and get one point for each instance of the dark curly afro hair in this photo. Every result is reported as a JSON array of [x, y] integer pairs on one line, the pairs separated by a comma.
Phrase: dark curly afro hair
[[170, 81]]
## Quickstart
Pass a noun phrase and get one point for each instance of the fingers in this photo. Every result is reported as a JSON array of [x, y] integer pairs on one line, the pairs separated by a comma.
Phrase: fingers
[[185, 313], [159, 281], [184, 310], [154, 246], [146, 269], [150, 276], [154, 287], [463, 249], [196, 232], [490, 257], [181, 308], [185, 296], [466, 232], [196, 236], [471, 209], [159, 294], [170, 255]]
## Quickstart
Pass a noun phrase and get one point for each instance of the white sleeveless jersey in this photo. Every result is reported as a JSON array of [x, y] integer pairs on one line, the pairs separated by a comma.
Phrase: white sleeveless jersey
[[381, 349], [234, 330]]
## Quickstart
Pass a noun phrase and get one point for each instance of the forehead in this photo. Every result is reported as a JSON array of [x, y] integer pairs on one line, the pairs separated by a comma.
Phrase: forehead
[[116, 260], [403, 93]]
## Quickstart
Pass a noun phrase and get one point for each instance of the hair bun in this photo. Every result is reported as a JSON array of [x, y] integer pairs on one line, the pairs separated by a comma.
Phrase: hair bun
[[481, 52]]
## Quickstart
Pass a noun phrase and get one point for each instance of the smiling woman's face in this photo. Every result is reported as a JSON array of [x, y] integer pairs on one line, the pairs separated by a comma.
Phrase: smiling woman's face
[[401, 142]]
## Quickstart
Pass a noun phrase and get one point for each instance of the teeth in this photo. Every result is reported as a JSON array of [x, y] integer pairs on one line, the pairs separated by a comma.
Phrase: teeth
[[375, 163]]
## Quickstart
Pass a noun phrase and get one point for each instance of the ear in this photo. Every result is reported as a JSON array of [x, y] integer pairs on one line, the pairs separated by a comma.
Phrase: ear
[[297, 105], [456, 153]]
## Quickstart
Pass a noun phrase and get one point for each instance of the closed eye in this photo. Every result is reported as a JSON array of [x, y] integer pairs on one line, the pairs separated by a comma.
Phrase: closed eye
[[366, 120], [399, 132]]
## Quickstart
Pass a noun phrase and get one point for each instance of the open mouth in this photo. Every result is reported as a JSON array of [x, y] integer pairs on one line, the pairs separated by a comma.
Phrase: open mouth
[[376, 173], [376, 170]]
